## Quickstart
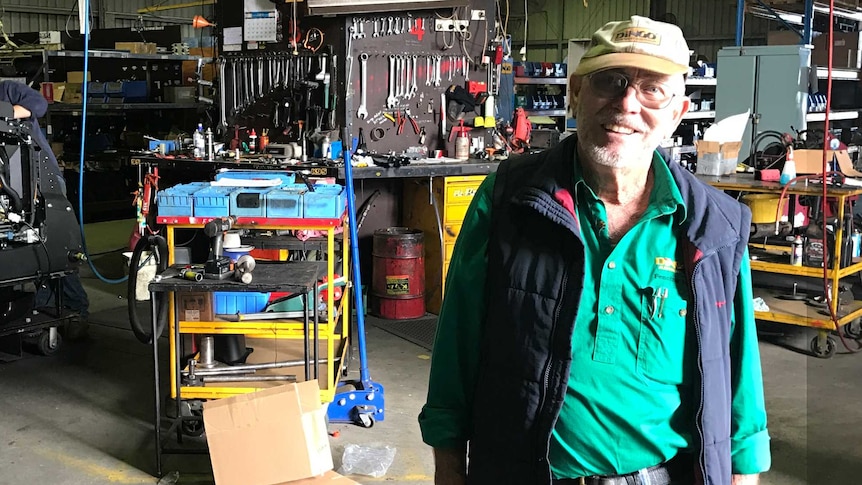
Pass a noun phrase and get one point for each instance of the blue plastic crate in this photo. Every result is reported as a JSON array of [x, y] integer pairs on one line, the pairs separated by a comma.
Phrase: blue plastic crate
[[135, 91], [326, 201], [212, 202], [284, 202], [170, 145], [95, 88], [233, 302], [287, 178], [177, 200], [248, 202]]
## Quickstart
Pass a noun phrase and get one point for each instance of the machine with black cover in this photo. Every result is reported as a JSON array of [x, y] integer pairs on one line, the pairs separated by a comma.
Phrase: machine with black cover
[[39, 240]]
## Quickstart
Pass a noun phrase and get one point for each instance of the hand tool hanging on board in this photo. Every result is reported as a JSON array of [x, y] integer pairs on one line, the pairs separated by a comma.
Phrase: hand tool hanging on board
[[222, 89]]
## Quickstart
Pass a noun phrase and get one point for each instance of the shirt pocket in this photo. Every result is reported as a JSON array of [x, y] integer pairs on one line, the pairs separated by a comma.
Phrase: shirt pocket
[[662, 340]]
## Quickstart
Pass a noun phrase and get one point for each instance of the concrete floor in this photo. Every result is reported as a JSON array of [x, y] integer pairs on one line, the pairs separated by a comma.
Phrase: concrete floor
[[84, 416]]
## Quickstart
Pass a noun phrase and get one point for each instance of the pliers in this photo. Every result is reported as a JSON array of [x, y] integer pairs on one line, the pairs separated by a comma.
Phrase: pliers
[[412, 121]]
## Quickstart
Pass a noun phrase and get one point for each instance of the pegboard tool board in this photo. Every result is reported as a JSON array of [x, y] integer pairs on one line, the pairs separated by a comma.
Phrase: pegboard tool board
[[400, 66]]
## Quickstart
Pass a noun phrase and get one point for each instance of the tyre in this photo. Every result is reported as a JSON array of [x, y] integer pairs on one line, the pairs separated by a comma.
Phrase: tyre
[[43, 343], [826, 351]]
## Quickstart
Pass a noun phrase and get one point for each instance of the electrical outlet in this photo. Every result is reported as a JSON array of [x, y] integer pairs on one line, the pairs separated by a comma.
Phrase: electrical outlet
[[444, 25], [462, 25], [477, 15]]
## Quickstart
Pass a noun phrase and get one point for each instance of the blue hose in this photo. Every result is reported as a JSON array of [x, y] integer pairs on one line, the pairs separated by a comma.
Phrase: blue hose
[[84, 89]]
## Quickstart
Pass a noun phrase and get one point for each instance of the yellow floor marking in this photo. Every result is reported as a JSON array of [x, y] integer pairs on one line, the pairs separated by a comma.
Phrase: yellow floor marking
[[122, 474]]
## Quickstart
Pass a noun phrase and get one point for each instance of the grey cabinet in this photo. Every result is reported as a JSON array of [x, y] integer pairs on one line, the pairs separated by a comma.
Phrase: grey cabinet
[[771, 81]]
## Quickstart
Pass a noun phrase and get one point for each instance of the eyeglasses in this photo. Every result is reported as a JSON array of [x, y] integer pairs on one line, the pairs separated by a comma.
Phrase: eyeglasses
[[614, 84]]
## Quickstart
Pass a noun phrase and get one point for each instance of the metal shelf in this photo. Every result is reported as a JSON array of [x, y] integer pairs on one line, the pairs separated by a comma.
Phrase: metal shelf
[[540, 80], [701, 81], [838, 74], [123, 55], [545, 112], [699, 115], [118, 107], [833, 116]]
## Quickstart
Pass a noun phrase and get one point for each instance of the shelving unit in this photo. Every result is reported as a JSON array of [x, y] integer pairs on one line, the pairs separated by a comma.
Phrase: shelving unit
[[107, 121], [333, 330], [543, 89]]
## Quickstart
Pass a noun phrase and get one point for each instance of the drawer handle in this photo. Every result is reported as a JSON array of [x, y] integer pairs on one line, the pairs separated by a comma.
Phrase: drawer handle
[[450, 232]]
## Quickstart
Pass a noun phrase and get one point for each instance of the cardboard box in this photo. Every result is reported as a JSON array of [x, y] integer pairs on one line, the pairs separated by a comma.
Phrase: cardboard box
[[77, 77], [195, 306], [811, 161], [845, 50], [782, 37], [268, 437], [136, 47], [714, 158], [189, 67], [72, 93]]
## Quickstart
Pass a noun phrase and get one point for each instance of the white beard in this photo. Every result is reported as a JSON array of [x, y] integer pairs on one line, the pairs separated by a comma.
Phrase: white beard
[[629, 155]]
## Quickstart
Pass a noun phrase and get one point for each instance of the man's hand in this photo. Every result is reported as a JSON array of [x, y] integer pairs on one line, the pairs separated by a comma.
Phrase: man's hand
[[20, 112], [450, 466], [745, 480]]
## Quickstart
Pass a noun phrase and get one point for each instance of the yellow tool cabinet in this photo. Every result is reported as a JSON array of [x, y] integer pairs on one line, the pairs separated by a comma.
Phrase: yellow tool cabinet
[[437, 207]]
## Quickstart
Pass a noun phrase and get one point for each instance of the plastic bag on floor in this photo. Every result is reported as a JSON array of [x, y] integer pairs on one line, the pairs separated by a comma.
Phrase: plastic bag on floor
[[372, 461]]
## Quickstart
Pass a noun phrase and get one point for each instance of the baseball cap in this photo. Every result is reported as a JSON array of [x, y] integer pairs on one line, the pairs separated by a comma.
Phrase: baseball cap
[[638, 42]]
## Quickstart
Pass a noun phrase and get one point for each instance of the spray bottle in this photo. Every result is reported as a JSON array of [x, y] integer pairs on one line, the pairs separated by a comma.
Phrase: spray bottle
[[788, 173], [462, 144]]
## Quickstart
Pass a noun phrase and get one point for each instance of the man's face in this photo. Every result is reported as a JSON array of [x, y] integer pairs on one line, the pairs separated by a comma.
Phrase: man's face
[[619, 131]]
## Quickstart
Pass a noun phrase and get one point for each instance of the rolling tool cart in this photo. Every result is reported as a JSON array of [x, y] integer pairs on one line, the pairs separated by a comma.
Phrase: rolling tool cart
[[783, 306]]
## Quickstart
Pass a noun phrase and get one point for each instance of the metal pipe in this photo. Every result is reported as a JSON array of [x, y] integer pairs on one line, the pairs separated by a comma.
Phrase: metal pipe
[[290, 378], [219, 371]]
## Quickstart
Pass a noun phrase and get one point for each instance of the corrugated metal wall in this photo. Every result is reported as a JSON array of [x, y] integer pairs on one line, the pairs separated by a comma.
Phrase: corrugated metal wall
[[37, 15], [707, 24]]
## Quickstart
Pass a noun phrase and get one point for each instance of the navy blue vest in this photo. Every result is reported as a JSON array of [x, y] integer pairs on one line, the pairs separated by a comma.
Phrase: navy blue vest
[[535, 278]]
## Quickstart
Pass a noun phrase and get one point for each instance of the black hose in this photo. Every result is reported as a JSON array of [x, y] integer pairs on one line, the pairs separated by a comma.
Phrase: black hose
[[159, 247], [14, 198]]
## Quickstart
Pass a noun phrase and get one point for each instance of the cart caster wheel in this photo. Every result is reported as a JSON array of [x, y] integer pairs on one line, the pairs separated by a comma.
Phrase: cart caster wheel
[[365, 420], [824, 352], [43, 343], [853, 329], [194, 427]]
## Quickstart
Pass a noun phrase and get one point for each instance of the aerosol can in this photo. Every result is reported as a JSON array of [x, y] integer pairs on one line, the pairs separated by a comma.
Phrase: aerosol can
[[796, 251]]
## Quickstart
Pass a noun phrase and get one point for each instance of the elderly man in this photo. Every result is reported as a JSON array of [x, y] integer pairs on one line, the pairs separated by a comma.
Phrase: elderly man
[[616, 342]]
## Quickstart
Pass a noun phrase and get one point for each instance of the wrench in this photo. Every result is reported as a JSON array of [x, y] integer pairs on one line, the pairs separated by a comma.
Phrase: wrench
[[406, 77], [362, 111], [361, 28], [428, 71], [414, 88], [391, 101], [437, 78], [376, 32], [389, 28], [222, 84], [451, 67], [466, 69]]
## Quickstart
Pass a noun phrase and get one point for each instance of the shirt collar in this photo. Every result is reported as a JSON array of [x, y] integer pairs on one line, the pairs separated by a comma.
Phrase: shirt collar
[[665, 197]]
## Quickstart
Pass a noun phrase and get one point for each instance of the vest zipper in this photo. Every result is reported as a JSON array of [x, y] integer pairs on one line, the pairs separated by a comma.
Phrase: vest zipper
[[698, 418], [547, 372]]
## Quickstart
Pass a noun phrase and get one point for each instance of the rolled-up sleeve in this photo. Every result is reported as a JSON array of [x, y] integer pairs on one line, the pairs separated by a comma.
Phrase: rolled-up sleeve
[[749, 437]]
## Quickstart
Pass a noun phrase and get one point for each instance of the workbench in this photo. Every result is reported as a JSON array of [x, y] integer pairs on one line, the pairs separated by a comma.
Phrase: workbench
[[795, 312]]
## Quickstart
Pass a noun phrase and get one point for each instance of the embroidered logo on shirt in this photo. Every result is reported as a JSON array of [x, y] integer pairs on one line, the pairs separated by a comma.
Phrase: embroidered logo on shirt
[[665, 264]]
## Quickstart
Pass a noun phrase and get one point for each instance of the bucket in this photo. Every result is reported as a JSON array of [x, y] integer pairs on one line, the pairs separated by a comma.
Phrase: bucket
[[763, 207], [398, 273]]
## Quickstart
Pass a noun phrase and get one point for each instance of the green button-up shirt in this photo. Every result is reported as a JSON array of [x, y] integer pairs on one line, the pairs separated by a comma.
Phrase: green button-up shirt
[[633, 361]]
